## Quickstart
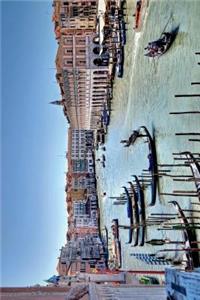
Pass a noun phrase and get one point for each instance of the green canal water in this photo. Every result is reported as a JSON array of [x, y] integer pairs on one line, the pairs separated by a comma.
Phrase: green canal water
[[145, 96]]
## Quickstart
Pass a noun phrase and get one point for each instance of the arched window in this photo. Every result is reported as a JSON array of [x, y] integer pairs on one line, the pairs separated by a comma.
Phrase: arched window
[[96, 40], [97, 62], [96, 50]]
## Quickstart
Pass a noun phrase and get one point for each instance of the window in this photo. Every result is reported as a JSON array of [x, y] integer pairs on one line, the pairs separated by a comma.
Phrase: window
[[67, 40], [62, 17], [75, 11], [67, 51], [82, 62], [68, 62], [97, 61], [96, 50]]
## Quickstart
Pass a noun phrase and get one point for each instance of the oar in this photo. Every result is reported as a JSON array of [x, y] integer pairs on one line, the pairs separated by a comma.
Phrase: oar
[[166, 24]]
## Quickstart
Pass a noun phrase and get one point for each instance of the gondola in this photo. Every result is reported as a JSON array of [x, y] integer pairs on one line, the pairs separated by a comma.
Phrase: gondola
[[189, 237], [129, 214], [132, 138], [106, 255], [136, 210], [153, 168], [105, 116], [195, 167], [141, 207], [118, 253], [117, 243], [162, 45], [115, 226]]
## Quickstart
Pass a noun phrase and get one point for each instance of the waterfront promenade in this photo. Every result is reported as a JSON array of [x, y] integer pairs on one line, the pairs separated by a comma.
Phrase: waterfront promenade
[[145, 96]]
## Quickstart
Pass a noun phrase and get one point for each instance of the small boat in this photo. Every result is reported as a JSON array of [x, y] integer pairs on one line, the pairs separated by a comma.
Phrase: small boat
[[119, 70], [122, 32], [115, 227], [137, 13], [195, 168], [141, 205], [100, 138], [120, 62], [129, 214], [117, 243], [152, 166], [135, 208], [162, 45], [103, 164], [105, 117]]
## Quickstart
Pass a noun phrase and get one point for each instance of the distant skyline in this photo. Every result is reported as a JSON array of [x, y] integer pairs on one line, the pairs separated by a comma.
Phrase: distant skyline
[[34, 142]]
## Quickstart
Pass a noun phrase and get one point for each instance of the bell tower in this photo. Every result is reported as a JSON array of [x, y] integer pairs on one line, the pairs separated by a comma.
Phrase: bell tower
[[58, 102]]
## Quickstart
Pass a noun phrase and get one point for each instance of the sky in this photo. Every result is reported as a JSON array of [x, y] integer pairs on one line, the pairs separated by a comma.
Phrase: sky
[[34, 141]]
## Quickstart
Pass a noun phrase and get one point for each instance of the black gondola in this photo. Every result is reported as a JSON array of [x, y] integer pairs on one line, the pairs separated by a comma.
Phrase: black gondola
[[132, 138], [129, 214], [162, 45], [136, 211], [195, 167], [141, 208], [189, 237], [152, 166]]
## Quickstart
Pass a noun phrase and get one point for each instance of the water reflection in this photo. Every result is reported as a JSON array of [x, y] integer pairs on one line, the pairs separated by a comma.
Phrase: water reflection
[[145, 96]]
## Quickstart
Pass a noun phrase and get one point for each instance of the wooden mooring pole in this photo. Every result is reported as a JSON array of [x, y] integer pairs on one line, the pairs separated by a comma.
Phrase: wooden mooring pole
[[173, 165], [194, 140], [186, 95], [184, 112], [178, 195], [180, 153], [187, 133], [184, 192]]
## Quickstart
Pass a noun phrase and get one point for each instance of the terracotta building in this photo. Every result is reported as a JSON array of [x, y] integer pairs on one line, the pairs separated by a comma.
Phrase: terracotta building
[[82, 71]]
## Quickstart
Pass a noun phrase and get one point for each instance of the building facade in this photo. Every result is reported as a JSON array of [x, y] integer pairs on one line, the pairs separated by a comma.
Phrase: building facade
[[82, 70]]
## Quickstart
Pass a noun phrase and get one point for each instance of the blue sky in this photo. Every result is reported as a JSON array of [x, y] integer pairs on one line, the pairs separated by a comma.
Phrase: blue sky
[[34, 140]]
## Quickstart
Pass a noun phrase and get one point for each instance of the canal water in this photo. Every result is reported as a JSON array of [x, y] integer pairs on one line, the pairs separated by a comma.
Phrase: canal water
[[145, 96]]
